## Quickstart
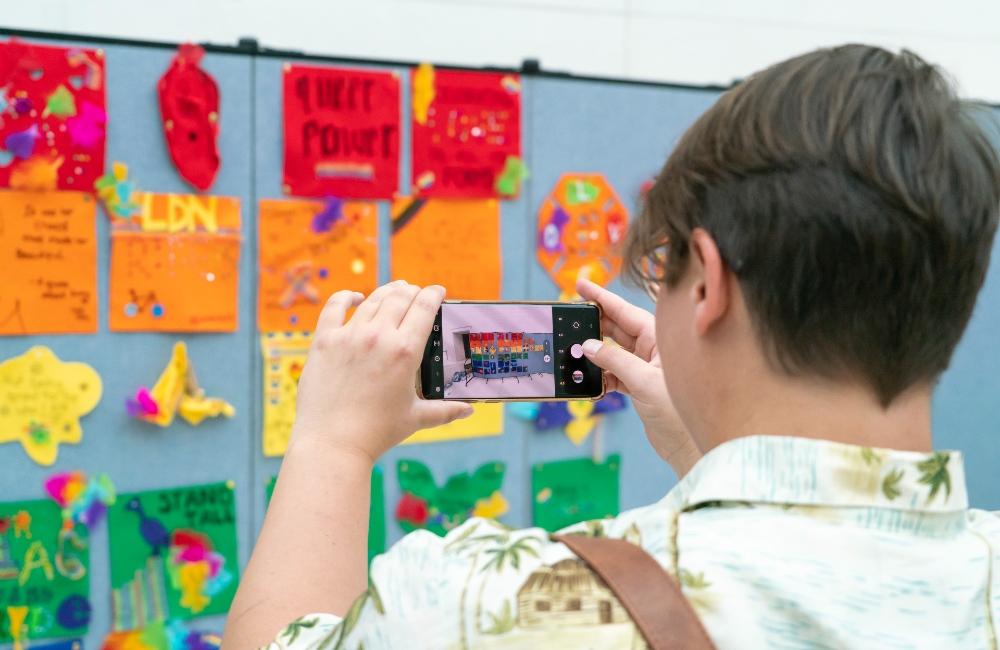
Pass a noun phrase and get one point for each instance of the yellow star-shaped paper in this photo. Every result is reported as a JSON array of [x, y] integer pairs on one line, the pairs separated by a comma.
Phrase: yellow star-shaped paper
[[42, 400]]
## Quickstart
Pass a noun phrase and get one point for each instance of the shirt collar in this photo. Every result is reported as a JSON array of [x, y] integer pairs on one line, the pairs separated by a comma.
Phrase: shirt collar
[[802, 471]]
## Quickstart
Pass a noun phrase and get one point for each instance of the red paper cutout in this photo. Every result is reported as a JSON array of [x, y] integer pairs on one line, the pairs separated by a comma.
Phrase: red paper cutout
[[341, 132], [55, 97], [189, 109], [473, 124]]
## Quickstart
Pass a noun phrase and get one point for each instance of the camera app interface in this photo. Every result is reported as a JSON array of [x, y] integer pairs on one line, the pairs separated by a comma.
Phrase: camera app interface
[[498, 351]]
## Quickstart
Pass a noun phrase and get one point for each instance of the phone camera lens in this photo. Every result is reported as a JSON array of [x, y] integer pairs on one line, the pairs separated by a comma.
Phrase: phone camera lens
[[578, 376]]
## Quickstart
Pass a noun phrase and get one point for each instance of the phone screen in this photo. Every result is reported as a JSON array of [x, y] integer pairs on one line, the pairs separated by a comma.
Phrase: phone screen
[[505, 351]]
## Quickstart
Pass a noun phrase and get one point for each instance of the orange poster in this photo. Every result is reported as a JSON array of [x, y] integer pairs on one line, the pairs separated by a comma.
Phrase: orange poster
[[175, 265], [451, 242], [309, 250], [48, 257]]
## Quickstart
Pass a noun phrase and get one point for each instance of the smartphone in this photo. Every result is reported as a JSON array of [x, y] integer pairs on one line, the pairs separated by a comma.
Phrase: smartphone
[[511, 351]]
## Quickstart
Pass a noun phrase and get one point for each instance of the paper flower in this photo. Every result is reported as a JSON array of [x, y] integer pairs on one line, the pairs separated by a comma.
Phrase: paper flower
[[116, 191], [510, 178], [423, 92], [492, 507], [22, 143], [412, 510], [332, 212], [60, 103], [36, 174], [87, 128]]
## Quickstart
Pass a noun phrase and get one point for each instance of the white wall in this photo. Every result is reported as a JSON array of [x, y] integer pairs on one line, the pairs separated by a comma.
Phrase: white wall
[[697, 41]]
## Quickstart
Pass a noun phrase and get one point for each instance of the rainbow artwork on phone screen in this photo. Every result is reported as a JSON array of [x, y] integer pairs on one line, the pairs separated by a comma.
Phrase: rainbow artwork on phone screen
[[486, 351]]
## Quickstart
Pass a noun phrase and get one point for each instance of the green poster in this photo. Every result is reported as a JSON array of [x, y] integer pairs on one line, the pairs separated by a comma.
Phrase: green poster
[[44, 572], [568, 491], [424, 505], [376, 516], [173, 554]]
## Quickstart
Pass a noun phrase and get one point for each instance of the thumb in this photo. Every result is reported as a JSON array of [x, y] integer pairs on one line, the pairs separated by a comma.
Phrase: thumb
[[433, 413], [628, 368]]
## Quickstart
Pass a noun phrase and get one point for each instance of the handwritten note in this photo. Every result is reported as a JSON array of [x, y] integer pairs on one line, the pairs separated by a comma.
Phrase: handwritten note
[[181, 540], [175, 265], [307, 251], [48, 253], [42, 400], [451, 242], [341, 132]]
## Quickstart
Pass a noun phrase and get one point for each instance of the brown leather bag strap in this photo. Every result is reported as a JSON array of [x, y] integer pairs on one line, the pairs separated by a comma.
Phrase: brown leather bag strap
[[647, 592]]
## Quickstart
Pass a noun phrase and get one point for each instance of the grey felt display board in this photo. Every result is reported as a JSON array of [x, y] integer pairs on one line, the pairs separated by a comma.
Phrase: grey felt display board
[[622, 130]]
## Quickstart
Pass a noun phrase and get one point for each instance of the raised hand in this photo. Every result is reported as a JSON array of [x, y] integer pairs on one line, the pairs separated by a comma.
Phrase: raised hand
[[633, 367]]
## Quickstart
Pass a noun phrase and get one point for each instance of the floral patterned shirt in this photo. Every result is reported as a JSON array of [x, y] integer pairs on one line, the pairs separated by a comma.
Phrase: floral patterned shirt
[[777, 542]]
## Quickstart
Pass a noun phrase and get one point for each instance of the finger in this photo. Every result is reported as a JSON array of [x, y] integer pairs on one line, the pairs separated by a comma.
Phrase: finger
[[335, 311], [630, 319], [613, 384], [395, 303], [370, 306], [420, 317], [610, 329], [434, 413], [630, 370]]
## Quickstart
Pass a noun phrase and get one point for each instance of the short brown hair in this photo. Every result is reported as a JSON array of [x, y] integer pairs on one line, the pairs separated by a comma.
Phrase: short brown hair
[[854, 197]]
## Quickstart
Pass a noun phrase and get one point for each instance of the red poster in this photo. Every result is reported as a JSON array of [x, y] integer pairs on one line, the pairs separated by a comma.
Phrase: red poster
[[52, 116], [465, 127], [341, 132]]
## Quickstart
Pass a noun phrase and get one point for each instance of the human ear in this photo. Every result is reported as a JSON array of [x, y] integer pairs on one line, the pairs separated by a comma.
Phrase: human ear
[[710, 290]]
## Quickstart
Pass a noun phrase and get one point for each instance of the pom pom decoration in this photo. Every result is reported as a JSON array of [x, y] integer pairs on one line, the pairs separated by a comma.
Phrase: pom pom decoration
[[116, 191], [82, 501]]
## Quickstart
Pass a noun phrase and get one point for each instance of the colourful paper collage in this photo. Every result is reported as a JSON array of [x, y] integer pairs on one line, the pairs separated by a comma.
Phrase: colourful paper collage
[[284, 356], [173, 554], [580, 224], [44, 573], [569, 491], [177, 392], [52, 116], [175, 265], [43, 400], [48, 253], [451, 242], [466, 132], [341, 132], [307, 251], [162, 636], [376, 511], [425, 505]]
